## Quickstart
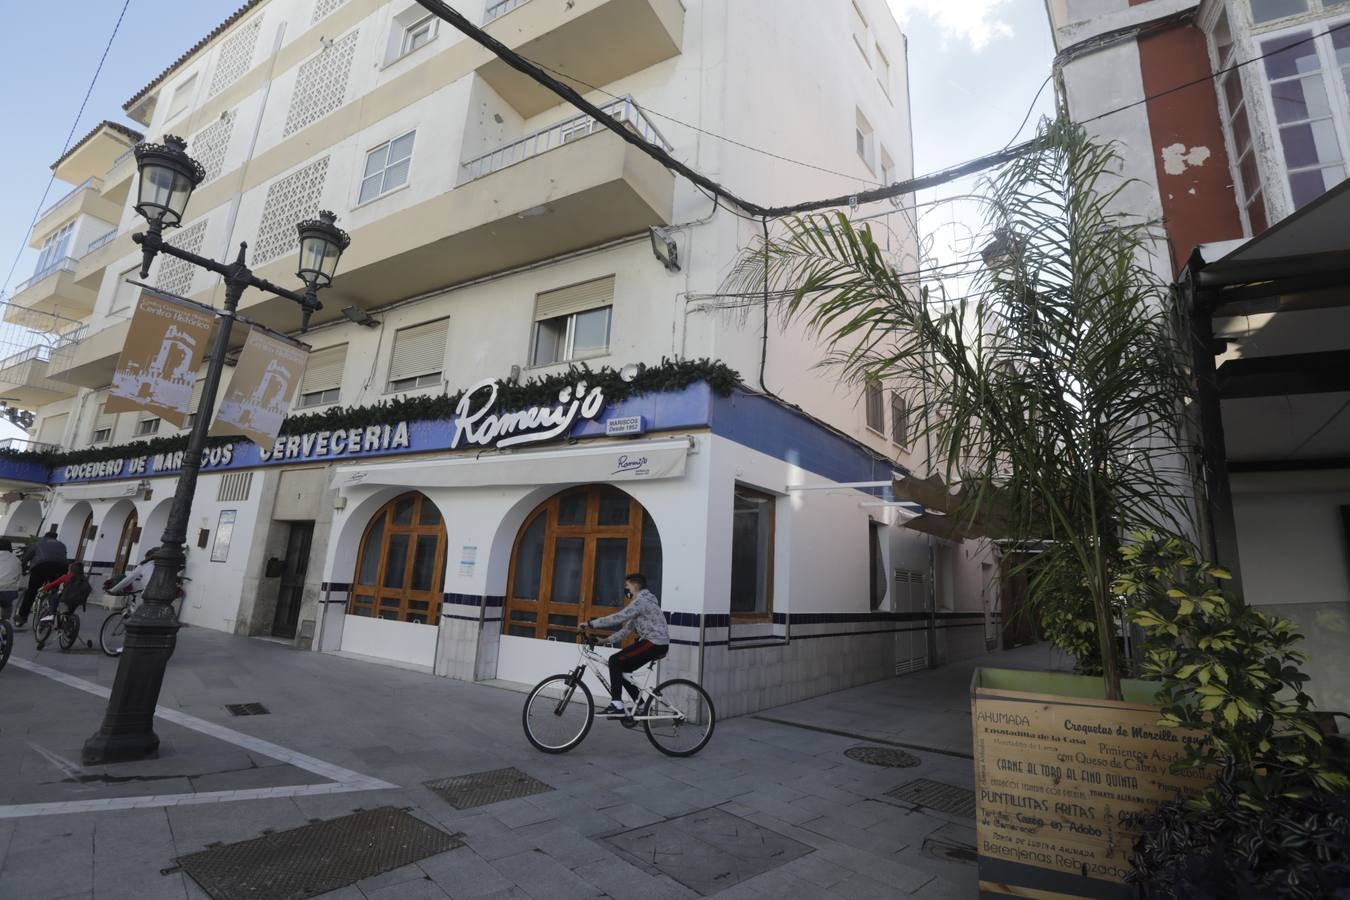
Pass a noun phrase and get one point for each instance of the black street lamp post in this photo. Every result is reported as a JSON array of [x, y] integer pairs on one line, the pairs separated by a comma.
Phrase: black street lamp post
[[167, 178]]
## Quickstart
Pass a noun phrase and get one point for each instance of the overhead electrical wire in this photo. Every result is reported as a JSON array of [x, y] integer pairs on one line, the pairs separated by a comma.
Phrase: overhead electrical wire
[[66, 146]]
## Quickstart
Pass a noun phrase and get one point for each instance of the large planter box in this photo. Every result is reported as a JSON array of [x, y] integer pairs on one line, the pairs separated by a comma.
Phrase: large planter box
[[1060, 773]]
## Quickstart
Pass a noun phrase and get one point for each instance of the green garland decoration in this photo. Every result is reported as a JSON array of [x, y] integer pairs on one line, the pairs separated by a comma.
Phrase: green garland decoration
[[667, 376]]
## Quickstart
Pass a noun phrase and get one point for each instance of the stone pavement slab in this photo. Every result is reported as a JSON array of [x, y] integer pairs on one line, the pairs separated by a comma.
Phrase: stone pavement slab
[[790, 785]]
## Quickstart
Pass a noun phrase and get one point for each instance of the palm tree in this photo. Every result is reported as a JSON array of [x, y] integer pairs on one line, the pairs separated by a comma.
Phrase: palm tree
[[1051, 389]]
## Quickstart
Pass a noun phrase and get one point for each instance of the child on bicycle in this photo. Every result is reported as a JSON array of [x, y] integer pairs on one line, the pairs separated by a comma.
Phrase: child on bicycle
[[74, 590], [642, 616]]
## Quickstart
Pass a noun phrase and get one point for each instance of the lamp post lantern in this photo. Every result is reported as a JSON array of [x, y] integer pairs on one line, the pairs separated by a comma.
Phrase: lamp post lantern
[[167, 178]]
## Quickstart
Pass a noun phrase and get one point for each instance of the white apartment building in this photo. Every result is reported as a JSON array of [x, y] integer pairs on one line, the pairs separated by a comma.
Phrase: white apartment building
[[497, 234]]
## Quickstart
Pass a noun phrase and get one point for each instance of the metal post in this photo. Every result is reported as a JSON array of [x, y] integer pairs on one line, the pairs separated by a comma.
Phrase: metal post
[[128, 731]]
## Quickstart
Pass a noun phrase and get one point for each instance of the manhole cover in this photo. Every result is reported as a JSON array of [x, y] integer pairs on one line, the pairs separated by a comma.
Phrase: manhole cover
[[882, 756], [315, 859], [482, 788], [935, 795], [246, 709], [708, 851], [954, 851]]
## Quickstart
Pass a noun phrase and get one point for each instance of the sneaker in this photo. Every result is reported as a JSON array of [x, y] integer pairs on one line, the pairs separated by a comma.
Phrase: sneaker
[[46, 619], [19, 624], [616, 708]]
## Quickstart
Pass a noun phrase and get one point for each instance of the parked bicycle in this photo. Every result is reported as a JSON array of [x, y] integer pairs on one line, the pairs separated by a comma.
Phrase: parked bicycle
[[677, 715], [112, 636]]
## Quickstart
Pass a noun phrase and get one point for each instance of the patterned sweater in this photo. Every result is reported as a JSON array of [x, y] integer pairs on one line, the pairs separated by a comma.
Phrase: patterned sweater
[[643, 616]]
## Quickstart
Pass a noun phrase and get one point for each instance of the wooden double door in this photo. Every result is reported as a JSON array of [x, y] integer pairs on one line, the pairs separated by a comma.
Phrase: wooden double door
[[401, 567]]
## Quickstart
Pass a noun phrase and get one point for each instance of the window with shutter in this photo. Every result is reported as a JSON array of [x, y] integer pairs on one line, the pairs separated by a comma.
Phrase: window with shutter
[[419, 354], [322, 383], [573, 323], [899, 420], [51, 429], [876, 412], [104, 424]]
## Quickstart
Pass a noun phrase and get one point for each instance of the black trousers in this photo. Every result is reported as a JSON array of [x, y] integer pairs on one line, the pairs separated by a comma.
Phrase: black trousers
[[39, 575], [631, 659]]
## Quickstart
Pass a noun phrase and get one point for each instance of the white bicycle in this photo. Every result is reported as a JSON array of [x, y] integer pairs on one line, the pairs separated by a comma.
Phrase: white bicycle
[[677, 715]]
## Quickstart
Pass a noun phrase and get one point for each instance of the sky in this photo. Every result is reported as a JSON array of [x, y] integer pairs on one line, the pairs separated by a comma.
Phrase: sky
[[974, 67]]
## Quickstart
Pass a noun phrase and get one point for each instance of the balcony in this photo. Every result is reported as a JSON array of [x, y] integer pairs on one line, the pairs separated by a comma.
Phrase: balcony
[[51, 294], [24, 381], [594, 41], [566, 188], [102, 250], [86, 198], [118, 180], [87, 358]]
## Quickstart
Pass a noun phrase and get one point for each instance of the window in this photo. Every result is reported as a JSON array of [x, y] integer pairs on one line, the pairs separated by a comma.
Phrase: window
[[752, 524], [401, 566], [126, 293], [860, 38], [148, 426], [323, 377], [418, 34], [104, 425], [1251, 196], [883, 71], [573, 322], [899, 420], [570, 559], [863, 135], [418, 357], [54, 249], [1267, 10], [51, 429], [182, 96], [876, 410], [887, 168], [1308, 93], [387, 167], [194, 406]]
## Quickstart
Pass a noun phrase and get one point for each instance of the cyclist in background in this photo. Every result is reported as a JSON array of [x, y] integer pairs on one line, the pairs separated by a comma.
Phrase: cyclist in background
[[642, 616], [46, 560], [11, 578], [75, 590], [135, 581]]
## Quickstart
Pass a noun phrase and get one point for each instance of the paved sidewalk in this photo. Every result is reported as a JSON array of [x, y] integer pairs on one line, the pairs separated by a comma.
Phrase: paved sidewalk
[[767, 809]]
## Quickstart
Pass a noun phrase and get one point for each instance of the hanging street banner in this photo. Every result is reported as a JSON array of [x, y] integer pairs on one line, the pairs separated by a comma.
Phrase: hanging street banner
[[158, 366], [260, 394]]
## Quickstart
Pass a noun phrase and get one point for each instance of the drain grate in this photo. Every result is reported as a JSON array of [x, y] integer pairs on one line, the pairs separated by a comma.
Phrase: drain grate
[[935, 795], [889, 757], [482, 788], [315, 859], [247, 709]]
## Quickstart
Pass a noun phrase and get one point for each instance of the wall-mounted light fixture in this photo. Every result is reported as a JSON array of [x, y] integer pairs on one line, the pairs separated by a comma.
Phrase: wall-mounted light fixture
[[360, 317], [663, 245]]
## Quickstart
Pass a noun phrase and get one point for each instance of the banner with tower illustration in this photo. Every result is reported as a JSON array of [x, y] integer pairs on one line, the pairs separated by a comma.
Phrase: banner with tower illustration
[[158, 366], [264, 382]]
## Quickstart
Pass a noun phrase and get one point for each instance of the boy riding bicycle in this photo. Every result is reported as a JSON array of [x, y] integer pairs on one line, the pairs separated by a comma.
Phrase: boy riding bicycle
[[642, 616]]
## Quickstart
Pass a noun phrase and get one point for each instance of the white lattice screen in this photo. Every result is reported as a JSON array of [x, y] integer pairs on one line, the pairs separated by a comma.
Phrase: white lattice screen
[[236, 54], [321, 84], [210, 144], [175, 275], [324, 7], [290, 200]]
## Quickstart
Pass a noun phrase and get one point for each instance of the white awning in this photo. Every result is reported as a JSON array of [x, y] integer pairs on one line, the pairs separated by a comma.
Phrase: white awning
[[115, 490], [616, 463]]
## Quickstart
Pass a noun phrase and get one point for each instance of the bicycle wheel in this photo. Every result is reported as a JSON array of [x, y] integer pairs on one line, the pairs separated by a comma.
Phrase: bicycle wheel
[[558, 714], [41, 630], [70, 632], [683, 718], [6, 641], [112, 637]]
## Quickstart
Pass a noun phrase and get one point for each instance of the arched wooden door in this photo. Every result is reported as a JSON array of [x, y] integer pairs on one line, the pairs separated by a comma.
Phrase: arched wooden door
[[130, 534], [401, 567], [86, 533], [570, 559]]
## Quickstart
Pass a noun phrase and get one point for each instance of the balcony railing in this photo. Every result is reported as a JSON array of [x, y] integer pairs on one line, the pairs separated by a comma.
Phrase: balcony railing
[[93, 182], [121, 159], [40, 353], [64, 264], [24, 444], [624, 110], [100, 241], [501, 8]]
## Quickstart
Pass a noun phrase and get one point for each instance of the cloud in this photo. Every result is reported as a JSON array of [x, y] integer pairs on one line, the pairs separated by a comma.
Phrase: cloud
[[977, 22]]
